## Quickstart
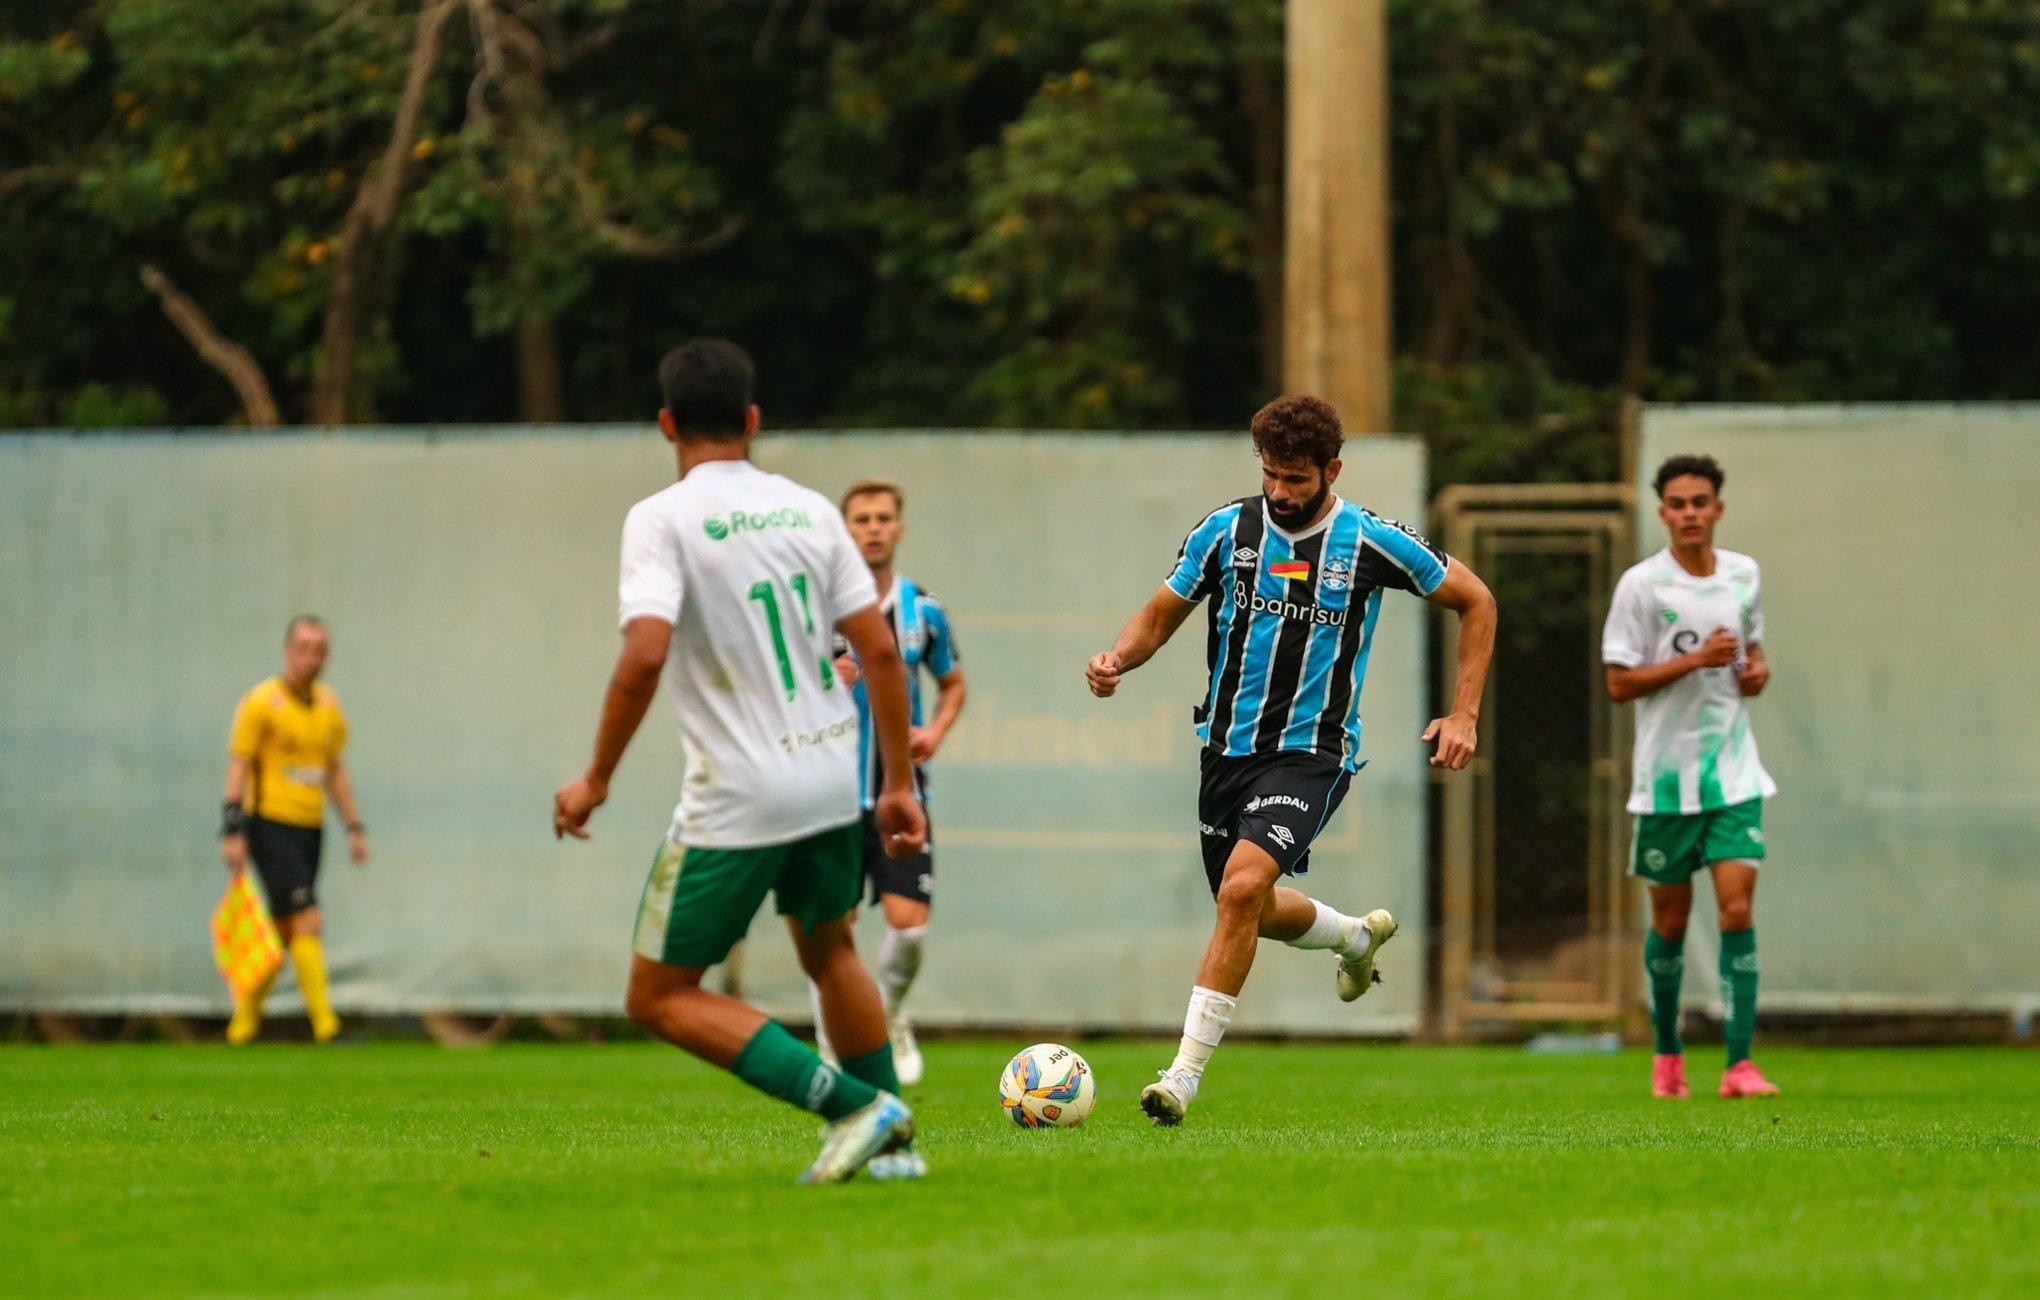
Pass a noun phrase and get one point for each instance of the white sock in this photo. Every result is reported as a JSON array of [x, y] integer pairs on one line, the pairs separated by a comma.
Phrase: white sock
[[1203, 1026], [899, 960], [823, 1047], [1345, 934]]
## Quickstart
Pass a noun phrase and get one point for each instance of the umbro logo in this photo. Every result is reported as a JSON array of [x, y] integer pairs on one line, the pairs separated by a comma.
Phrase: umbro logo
[[1281, 835], [1246, 557]]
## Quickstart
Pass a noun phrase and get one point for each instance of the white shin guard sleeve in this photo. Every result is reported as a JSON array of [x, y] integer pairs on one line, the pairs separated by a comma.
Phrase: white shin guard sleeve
[[899, 960], [1203, 1026], [1327, 931]]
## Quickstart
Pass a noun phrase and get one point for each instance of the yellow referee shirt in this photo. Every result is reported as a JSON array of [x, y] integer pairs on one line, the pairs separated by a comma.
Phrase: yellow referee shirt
[[290, 746]]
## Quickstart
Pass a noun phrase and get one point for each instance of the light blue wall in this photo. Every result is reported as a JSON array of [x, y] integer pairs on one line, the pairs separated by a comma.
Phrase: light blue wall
[[469, 580], [1903, 719]]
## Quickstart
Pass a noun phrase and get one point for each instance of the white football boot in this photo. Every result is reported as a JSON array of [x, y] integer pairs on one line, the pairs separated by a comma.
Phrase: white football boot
[[1168, 1098], [1357, 973], [903, 1163], [884, 1126], [906, 1051]]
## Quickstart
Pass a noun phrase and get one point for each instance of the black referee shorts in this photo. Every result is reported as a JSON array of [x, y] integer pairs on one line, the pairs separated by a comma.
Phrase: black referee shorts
[[286, 861], [913, 879], [1279, 801]]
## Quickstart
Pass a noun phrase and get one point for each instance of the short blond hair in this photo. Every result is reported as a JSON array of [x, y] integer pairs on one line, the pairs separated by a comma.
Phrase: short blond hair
[[871, 487]]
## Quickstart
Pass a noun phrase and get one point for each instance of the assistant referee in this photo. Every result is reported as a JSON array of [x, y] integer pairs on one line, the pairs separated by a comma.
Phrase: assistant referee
[[283, 756]]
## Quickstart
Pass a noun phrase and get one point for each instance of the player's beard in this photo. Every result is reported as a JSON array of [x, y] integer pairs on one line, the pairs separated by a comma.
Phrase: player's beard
[[1296, 517]]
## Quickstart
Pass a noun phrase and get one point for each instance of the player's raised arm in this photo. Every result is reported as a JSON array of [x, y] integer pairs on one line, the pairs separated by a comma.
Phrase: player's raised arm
[[1145, 633], [899, 815], [1465, 594]]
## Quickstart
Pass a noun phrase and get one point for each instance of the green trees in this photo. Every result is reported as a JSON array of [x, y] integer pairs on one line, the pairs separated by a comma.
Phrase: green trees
[[1021, 212]]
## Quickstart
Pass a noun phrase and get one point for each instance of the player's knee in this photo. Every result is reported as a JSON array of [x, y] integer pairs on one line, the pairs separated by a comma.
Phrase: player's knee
[[307, 922], [641, 1004], [905, 913], [1242, 895], [824, 948], [650, 1000], [1668, 919], [815, 962], [1736, 915]]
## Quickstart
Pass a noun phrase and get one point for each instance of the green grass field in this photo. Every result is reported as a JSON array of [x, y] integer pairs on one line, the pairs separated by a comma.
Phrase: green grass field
[[402, 1170]]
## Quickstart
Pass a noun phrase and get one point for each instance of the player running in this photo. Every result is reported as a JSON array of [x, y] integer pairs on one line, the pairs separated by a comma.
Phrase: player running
[[1685, 637], [732, 579], [1294, 577], [282, 757], [875, 511]]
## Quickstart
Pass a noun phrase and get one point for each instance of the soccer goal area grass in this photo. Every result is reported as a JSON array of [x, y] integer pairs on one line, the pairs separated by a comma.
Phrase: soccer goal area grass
[[628, 1169]]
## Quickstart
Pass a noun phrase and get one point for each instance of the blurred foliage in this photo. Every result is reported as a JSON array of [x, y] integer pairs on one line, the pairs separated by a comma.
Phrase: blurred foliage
[[1020, 212]]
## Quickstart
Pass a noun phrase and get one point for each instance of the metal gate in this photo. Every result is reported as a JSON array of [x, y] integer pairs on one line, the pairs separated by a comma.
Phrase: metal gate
[[1538, 920]]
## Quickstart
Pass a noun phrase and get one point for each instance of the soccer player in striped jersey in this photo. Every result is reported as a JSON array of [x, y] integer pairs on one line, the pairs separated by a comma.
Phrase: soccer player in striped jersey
[[1684, 639], [875, 512], [1294, 578]]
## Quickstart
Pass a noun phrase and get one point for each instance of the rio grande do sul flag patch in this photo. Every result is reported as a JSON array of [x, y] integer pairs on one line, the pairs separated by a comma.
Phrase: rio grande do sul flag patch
[[1293, 570]]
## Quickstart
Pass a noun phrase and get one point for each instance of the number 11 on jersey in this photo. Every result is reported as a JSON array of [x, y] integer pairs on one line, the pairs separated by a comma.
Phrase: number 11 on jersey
[[767, 595]]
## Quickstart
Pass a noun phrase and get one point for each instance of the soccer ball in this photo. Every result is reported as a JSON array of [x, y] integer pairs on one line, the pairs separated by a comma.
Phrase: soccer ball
[[1047, 1086]]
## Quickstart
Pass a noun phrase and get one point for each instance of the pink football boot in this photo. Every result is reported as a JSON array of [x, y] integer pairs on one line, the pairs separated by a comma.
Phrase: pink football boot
[[1743, 1080], [1668, 1076]]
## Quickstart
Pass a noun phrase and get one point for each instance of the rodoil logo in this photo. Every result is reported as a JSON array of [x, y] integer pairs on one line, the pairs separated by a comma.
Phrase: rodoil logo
[[722, 527]]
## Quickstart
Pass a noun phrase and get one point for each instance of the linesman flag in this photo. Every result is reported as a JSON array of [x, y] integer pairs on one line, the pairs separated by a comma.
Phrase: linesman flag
[[245, 943]]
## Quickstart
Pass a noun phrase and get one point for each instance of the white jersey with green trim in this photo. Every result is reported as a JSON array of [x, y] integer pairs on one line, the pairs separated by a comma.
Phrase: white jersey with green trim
[[753, 571], [1694, 748]]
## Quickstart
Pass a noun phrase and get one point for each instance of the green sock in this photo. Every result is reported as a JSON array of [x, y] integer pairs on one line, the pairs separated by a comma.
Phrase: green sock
[[776, 1062], [876, 1069], [1739, 991], [1665, 963]]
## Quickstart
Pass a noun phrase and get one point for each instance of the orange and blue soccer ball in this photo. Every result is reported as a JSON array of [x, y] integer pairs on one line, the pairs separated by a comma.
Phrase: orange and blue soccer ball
[[1047, 1086]]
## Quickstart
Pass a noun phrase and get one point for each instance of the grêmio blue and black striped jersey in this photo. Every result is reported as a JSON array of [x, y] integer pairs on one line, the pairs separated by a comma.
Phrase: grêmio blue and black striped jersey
[[1292, 622], [920, 624]]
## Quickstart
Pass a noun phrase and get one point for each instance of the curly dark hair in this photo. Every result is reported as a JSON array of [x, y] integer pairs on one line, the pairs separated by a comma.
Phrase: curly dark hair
[[1299, 428], [1700, 466]]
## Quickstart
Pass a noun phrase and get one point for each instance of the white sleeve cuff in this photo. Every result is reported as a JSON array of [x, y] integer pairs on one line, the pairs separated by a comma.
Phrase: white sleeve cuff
[[1621, 658], [644, 609]]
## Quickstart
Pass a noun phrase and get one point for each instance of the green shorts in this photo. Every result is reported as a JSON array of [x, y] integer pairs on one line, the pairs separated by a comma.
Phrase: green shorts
[[699, 902], [1670, 847]]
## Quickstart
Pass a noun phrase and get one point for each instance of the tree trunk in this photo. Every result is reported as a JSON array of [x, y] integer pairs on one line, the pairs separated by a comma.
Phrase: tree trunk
[[538, 371], [363, 243], [1337, 304]]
